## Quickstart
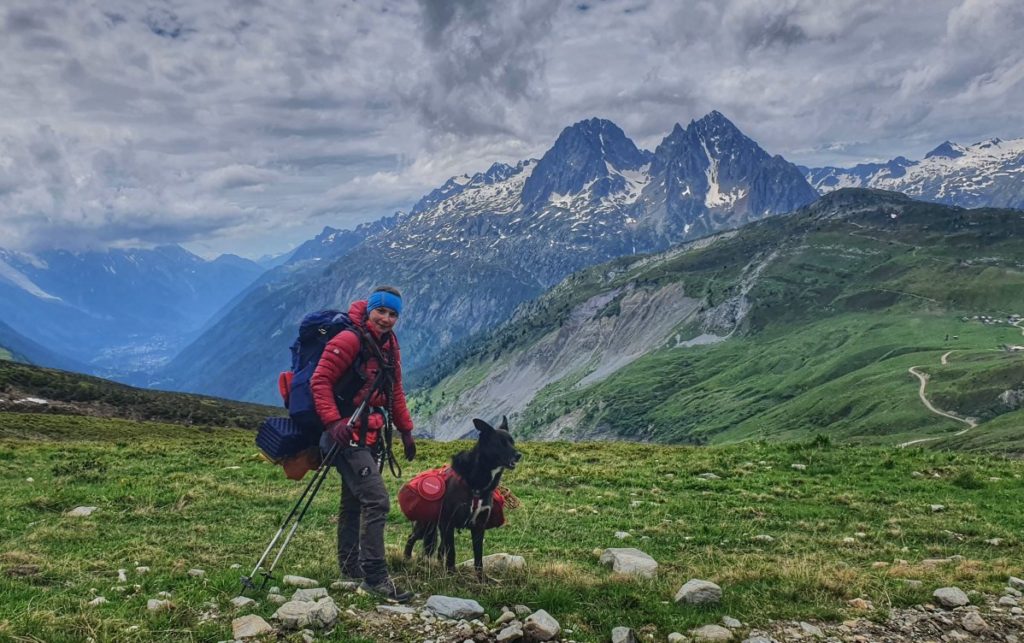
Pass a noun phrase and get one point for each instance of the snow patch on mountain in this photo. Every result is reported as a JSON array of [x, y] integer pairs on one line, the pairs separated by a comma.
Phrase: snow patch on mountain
[[16, 278], [987, 173]]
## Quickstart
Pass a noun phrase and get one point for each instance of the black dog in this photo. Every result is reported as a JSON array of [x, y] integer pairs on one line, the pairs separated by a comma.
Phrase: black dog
[[469, 495]]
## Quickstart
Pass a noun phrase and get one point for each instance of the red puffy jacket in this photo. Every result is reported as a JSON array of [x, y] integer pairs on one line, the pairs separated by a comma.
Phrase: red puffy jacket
[[339, 355]]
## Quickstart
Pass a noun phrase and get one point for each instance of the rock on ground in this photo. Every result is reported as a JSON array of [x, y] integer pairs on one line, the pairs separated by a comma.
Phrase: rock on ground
[[627, 560], [451, 607], [81, 512], [295, 615], [300, 581], [541, 626], [699, 592], [249, 626], [499, 563], [309, 595], [711, 633], [623, 635], [242, 601], [950, 597], [157, 605]]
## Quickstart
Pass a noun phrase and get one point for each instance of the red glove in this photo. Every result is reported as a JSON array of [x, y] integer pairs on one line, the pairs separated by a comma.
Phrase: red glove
[[409, 443], [340, 432]]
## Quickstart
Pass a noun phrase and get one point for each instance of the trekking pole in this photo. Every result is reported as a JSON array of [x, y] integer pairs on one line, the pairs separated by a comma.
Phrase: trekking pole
[[314, 484]]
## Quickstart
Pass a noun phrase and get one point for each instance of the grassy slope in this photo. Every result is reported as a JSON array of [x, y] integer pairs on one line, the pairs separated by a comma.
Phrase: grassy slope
[[95, 396], [839, 313], [170, 498]]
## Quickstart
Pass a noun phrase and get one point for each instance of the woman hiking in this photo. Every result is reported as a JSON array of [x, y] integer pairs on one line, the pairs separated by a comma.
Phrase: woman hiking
[[370, 353]]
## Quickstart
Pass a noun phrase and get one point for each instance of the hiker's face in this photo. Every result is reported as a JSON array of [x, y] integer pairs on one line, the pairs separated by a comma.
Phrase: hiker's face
[[383, 319]]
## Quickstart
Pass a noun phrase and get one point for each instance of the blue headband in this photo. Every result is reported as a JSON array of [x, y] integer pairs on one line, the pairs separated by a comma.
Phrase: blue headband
[[384, 299]]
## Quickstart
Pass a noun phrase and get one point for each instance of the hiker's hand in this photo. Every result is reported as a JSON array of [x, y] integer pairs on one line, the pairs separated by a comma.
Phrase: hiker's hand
[[340, 432], [409, 443]]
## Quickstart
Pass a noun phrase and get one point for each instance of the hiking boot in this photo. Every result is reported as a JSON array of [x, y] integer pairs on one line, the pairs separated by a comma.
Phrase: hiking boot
[[387, 590]]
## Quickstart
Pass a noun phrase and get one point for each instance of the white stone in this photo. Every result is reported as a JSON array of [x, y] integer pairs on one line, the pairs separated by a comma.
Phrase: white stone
[[310, 595], [277, 599], [711, 633], [676, 637], [630, 561], [1008, 601], [541, 626], [249, 626], [623, 635], [622, 535], [163, 594], [99, 600], [235, 566], [142, 570], [81, 512], [798, 467], [122, 576], [500, 562], [1016, 583], [451, 607], [511, 633], [196, 573], [731, 623], [157, 605], [950, 597], [396, 609], [763, 538], [242, 601], [294, 615], [506, 617], [345, 585], [325, 612], [300, 581], [973, 623], [811, 630], [699, 592], [937, 508]]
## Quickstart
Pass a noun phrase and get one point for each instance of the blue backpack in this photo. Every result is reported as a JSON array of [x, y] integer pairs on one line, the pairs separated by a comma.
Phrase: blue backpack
[[315, 330]]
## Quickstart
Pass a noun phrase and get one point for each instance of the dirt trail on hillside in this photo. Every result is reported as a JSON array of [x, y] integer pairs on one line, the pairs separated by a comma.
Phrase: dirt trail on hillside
[[923, 378]]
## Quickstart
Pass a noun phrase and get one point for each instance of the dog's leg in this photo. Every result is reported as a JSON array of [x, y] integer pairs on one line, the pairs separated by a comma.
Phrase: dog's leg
[[430, 539], [478, 552], [417, 533], [448, 546]]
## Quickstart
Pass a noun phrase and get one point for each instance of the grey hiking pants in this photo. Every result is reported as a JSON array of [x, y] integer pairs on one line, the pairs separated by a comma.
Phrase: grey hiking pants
[[362, 513]]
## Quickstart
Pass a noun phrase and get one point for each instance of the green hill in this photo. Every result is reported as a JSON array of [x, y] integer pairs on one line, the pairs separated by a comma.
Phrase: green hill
[[791, 326], [26, 388]]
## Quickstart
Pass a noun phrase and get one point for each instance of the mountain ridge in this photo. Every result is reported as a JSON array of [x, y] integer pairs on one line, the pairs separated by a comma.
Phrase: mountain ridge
[[473, 249]]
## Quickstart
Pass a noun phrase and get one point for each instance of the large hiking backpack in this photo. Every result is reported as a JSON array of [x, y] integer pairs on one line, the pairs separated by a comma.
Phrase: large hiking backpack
[[293, 440], [315, 330]]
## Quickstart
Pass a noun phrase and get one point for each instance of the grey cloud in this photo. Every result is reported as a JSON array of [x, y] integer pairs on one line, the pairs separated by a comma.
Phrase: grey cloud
[[242, 120], [21, 20], [483, 60]]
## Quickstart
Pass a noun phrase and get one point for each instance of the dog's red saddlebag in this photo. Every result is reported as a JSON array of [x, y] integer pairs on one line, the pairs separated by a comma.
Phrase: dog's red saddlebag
[[421, 497]]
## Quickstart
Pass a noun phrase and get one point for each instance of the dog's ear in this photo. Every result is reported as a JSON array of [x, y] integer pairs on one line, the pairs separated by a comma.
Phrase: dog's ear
[[504, 423], [482, 426]]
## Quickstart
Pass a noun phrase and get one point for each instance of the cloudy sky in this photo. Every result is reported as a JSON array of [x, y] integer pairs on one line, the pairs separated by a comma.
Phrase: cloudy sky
[[246, 126]]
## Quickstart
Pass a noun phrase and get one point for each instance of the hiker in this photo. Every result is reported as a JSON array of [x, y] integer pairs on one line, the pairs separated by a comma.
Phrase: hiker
[[363, 495]]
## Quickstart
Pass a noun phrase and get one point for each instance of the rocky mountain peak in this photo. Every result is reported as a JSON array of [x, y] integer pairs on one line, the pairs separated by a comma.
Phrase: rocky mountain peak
[[946, 150], [581, 155]]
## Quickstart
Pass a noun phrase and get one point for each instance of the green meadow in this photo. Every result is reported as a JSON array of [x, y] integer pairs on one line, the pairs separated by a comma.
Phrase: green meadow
[[855, 521]]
